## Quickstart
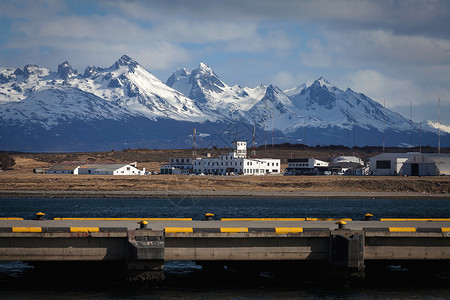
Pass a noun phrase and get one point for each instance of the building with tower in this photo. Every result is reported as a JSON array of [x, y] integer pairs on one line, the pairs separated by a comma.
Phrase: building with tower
[[235, 162]]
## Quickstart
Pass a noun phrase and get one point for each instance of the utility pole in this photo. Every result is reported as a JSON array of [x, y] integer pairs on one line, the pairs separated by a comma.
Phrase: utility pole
[[439, 125], [254, 142], [384, 121], [194, 145], [411, 126]]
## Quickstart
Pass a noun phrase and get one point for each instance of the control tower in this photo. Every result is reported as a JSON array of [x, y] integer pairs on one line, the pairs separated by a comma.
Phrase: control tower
[[240, 149]]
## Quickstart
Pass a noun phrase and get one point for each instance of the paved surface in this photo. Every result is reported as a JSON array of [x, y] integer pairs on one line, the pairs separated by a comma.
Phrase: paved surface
[[212, 194], [160, 225]]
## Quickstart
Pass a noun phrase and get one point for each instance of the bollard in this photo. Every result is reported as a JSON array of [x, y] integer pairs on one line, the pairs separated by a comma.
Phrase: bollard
[[341, 224], [143, 224], [209, 216], [368, 217], [40, 216]]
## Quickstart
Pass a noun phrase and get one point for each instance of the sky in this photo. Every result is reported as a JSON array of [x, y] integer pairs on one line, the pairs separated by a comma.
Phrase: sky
[[396, 52]]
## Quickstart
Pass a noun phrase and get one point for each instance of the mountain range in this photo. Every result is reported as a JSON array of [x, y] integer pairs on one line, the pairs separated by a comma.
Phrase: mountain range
[[125, 106]]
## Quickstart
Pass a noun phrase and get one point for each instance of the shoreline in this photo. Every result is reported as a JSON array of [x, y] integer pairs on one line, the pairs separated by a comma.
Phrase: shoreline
[[218, 194]]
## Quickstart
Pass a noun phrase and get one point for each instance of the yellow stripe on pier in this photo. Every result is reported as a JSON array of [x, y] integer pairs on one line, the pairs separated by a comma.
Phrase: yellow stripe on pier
[[84, 229], [11, 218], [122, 219], [233, 229], [262, 219], [328, 219], [282, 230], [27, 229], [402, 229], [179, 229], [445, 229]]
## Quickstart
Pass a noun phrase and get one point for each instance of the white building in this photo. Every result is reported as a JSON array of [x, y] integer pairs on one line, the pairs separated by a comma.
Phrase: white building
[[236, 162], [427, 165], [306, 166], [347, 159], [388, 163], [64, 168], [110, 169], [179, 165]]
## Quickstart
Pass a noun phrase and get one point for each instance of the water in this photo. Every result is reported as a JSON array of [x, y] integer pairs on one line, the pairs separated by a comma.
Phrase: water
[[225, 208], [185, 280]]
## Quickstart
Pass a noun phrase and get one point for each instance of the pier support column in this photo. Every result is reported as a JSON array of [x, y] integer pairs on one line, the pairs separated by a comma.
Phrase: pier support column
[[347, 254], [145, 259]]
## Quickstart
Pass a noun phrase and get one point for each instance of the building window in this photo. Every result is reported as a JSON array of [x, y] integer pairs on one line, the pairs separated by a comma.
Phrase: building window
[[383, 164]]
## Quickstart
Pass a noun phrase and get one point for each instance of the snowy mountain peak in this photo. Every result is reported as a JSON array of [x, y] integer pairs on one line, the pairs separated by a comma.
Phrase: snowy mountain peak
[[205, 69], [322, 82], [272, 91], [204, 81], [177, 75], [90, 71], [65, 71], [124, 61], [35, 70], [19, 72]]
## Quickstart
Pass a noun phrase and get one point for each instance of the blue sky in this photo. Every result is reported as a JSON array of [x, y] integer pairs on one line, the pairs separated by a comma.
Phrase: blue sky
[[392, 51]]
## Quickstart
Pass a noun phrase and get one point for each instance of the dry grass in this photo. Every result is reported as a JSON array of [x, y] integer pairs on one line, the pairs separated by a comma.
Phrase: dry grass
[[49, 182]]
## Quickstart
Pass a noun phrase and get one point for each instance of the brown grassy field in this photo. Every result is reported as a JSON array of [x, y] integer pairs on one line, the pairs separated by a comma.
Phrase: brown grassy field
[[50, 182]]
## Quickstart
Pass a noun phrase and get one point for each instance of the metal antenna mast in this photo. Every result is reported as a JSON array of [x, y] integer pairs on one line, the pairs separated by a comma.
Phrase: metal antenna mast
[[410, 125], [254, 142], [439, 125], [265, 126], [420, 138], [194, 145], [384, 121]]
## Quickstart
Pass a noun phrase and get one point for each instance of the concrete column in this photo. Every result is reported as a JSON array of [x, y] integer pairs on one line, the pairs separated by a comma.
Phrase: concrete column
[[347, 254], [145, 256]]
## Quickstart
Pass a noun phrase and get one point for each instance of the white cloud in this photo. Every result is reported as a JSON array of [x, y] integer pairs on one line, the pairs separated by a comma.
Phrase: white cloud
[[317, 56], [387, 47], [396, 92], [288, 80]]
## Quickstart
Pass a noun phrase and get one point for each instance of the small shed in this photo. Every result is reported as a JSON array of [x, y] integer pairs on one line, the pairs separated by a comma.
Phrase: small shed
[[38, 171]]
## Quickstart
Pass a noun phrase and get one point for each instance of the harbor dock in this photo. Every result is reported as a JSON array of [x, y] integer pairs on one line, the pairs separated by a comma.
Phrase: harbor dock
[[343, 246]]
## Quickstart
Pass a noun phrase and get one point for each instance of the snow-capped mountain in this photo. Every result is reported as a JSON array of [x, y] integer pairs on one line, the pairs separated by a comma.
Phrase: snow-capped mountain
[[275, 111], [130, 85], [17, 84], [54, 105], [345, 109], [125, 83], [124, 105], [211, 94]]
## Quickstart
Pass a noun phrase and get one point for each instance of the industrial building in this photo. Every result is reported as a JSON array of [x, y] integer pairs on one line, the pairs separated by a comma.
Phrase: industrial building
[[427, 165], [410, 164], [177, 166], [306, 166], [96, 169]]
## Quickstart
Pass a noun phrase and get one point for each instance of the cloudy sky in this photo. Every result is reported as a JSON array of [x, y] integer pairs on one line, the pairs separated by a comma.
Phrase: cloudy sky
[[392, 51]]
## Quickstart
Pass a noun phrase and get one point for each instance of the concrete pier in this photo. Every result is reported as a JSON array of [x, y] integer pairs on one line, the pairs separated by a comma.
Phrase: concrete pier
[[343, 246]]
